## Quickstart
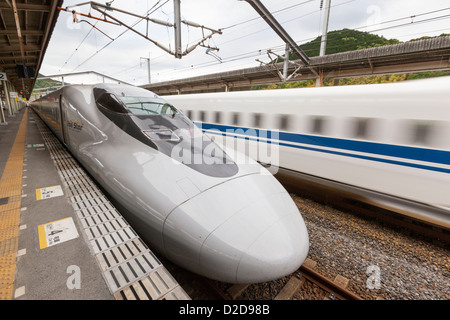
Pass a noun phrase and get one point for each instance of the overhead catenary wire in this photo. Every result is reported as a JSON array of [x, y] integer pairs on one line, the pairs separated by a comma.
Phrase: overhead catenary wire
[[231, 26], [79, 45], [330, 39], [447, 16], [82, 41], [332, 6], [281, 47], [274, 12], [284, 22], [114, 39]]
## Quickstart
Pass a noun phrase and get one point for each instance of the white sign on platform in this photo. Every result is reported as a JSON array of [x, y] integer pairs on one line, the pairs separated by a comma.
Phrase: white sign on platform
[[35, 145], [3, 76], [48, 192], [56, 232]]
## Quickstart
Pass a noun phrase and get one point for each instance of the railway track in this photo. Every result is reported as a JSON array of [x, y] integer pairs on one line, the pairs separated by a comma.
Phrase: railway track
[[336, 289], [303, 279]]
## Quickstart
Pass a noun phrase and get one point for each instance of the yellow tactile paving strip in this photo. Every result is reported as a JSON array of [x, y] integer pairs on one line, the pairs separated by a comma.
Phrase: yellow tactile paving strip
[[11, 188]]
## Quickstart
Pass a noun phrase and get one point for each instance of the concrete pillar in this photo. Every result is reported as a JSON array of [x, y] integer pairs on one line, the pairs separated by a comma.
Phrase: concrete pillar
[[2, 114], [14, 103], [8, 98], [3, 102], [319, 79]]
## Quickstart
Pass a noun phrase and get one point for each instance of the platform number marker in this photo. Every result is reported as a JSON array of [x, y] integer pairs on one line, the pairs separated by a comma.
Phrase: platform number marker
[[35, 145], [56, 232], [49, 192]]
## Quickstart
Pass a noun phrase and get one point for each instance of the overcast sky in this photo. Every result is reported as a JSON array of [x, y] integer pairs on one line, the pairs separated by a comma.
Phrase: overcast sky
[[77, 47]]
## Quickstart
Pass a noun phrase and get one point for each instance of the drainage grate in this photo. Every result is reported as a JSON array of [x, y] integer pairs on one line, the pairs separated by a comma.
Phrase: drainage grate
[[129, 268]]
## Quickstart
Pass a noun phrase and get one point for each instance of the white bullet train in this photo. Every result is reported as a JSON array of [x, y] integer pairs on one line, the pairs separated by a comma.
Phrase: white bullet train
[[384, 144], [212, 211]]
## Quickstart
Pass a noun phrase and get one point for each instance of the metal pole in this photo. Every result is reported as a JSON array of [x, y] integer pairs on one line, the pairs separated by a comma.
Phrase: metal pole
[[96, 4], [276, 26], [323, 43], [286, 63], [177, 27], [148, 69]]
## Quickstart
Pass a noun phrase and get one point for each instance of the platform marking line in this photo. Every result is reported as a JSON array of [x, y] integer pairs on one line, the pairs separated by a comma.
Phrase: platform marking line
[[11, 188], [19, 292]]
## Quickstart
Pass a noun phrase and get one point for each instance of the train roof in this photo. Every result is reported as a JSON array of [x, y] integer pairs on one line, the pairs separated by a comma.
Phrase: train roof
[[123, 89]]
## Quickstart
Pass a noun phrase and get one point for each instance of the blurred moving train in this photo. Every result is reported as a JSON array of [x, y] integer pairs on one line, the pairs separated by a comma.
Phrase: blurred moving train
[[384, 144], [224, 219]]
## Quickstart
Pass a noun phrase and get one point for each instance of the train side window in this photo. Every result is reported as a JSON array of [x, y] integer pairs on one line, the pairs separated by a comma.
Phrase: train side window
[[283, 122], [235, 118], [257, 120], [318, 125], [189, 114], [217, 117], [361, 128], [202, 116], [110, 102], [421, 132]]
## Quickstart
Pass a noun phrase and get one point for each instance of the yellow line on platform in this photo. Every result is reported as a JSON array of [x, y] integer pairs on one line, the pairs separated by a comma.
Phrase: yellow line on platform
[[42, 237], [10, 193]]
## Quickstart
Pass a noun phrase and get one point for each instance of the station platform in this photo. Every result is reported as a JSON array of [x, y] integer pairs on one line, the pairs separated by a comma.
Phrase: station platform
[[60, 237]]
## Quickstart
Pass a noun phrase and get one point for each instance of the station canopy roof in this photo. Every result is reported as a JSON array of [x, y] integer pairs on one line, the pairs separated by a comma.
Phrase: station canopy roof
[[25, 30]]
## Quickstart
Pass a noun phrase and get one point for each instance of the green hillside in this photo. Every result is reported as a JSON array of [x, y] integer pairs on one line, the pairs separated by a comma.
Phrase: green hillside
[[345, 40], [45, 83]]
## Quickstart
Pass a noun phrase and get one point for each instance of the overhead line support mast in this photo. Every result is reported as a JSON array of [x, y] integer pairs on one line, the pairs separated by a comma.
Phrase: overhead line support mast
[[279, 30], [178, 52], [284, 35]]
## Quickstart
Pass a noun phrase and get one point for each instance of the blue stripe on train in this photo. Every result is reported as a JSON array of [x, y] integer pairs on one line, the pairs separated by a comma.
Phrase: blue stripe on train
[[286, 139]]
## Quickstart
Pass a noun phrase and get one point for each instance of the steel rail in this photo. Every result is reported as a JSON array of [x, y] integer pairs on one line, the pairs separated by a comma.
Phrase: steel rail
[[327, 284]]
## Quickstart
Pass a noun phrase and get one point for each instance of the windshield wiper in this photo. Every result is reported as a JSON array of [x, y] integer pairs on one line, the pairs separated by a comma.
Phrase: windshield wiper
[[174, 110]]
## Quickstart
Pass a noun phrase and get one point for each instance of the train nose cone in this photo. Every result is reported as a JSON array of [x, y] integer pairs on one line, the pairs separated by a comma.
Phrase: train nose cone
[[265, 241], [245, 230], [279, 251]]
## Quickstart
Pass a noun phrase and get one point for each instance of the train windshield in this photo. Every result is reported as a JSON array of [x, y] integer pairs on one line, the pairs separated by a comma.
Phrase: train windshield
[[148, 106]]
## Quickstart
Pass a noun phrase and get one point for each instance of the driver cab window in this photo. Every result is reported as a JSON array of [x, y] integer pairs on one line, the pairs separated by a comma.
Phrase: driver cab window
[[110, 102], [148, 106]]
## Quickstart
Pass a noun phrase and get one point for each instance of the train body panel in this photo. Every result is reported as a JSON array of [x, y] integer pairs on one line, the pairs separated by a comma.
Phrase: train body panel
[[268, 248], [391, 139], [159, 167]]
